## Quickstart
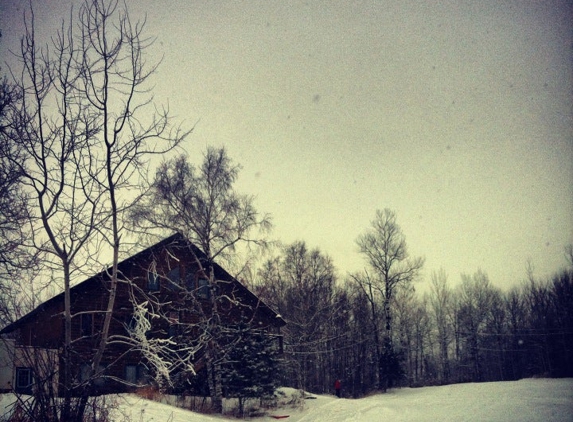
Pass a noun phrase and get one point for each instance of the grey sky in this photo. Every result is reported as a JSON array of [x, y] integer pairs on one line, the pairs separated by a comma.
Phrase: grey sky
[[458, 116]]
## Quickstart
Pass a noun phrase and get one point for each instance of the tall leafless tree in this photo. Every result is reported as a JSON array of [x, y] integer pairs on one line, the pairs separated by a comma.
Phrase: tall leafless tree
[[301, 285], [475, 296], [441, 303], [85, 124], [390, 267], [202, 204], [16, 258]]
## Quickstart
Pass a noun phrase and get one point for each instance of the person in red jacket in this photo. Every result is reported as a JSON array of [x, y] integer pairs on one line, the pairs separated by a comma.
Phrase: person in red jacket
[[337, 386]]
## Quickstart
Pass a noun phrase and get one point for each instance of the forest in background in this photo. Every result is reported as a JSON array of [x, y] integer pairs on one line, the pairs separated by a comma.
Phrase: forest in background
[[472, 332]]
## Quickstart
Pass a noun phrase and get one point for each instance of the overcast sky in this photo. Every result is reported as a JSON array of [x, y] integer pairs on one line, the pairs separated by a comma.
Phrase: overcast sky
[[457, 115]]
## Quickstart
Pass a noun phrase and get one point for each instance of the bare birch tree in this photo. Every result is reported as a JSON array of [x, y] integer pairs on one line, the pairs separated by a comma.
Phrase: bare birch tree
[[85, 123], [201, 203], [391, 267]]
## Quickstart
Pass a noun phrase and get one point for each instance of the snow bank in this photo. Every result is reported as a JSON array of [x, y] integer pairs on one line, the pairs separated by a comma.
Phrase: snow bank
[[533, 400]]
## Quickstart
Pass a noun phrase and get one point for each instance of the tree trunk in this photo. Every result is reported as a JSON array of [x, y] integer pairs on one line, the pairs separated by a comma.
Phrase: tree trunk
[[215, 386], [376, 339], [66, 411], [214, 381], [388, 347]]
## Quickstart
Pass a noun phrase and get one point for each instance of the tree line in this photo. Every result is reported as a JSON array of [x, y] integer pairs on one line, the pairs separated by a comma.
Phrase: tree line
[[374, 331]]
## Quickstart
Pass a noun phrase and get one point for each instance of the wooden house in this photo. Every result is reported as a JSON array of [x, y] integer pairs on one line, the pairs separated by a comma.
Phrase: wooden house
[[169, 280]]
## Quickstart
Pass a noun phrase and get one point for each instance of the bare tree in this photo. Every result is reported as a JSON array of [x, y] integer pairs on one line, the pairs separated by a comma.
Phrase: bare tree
[[516, 325], [13, 204], [18, 293], [373, 297], [413, 326], [475, 296], [201, 203], [391, 267], [441, 303], [18, 261], [562, 337], [85, 124], [300, 285]]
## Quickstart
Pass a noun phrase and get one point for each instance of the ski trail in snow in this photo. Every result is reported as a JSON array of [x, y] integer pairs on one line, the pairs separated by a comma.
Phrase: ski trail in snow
[[340, 409]]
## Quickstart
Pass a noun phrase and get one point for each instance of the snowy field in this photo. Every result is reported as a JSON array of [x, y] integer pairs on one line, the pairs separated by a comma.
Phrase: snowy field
[[542, 400]]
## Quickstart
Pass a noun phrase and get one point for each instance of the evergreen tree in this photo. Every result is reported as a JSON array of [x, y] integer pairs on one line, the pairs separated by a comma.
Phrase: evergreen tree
[[252, 366]]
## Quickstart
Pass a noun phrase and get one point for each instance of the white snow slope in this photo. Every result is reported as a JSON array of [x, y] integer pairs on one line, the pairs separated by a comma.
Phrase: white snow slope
[[529, 400]]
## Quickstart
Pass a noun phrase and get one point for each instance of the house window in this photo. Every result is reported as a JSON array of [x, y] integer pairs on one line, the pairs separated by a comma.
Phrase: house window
[[173, 278], [277, 344], [86, 328], [99, 380], [24, 380], [152, 279], [203, 288], [190, 281], [199, 287], [131, 374], [136, 374], [85, 371]]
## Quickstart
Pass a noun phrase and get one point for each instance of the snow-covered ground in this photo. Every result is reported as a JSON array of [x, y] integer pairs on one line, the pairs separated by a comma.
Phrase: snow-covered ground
[[543, 400], [530, 400]]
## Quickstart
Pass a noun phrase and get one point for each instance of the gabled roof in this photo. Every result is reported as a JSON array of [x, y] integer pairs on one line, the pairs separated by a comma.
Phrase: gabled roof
[[220, 273]]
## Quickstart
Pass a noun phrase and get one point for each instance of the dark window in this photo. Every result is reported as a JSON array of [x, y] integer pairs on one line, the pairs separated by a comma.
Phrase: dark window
[[277, 344], [24, 380], [99, 376], [131, 374], [203, 288], [173, 278], [85, 370], [136, 374], [152, 280], [142, 374], [86, 325], [189, 281]]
